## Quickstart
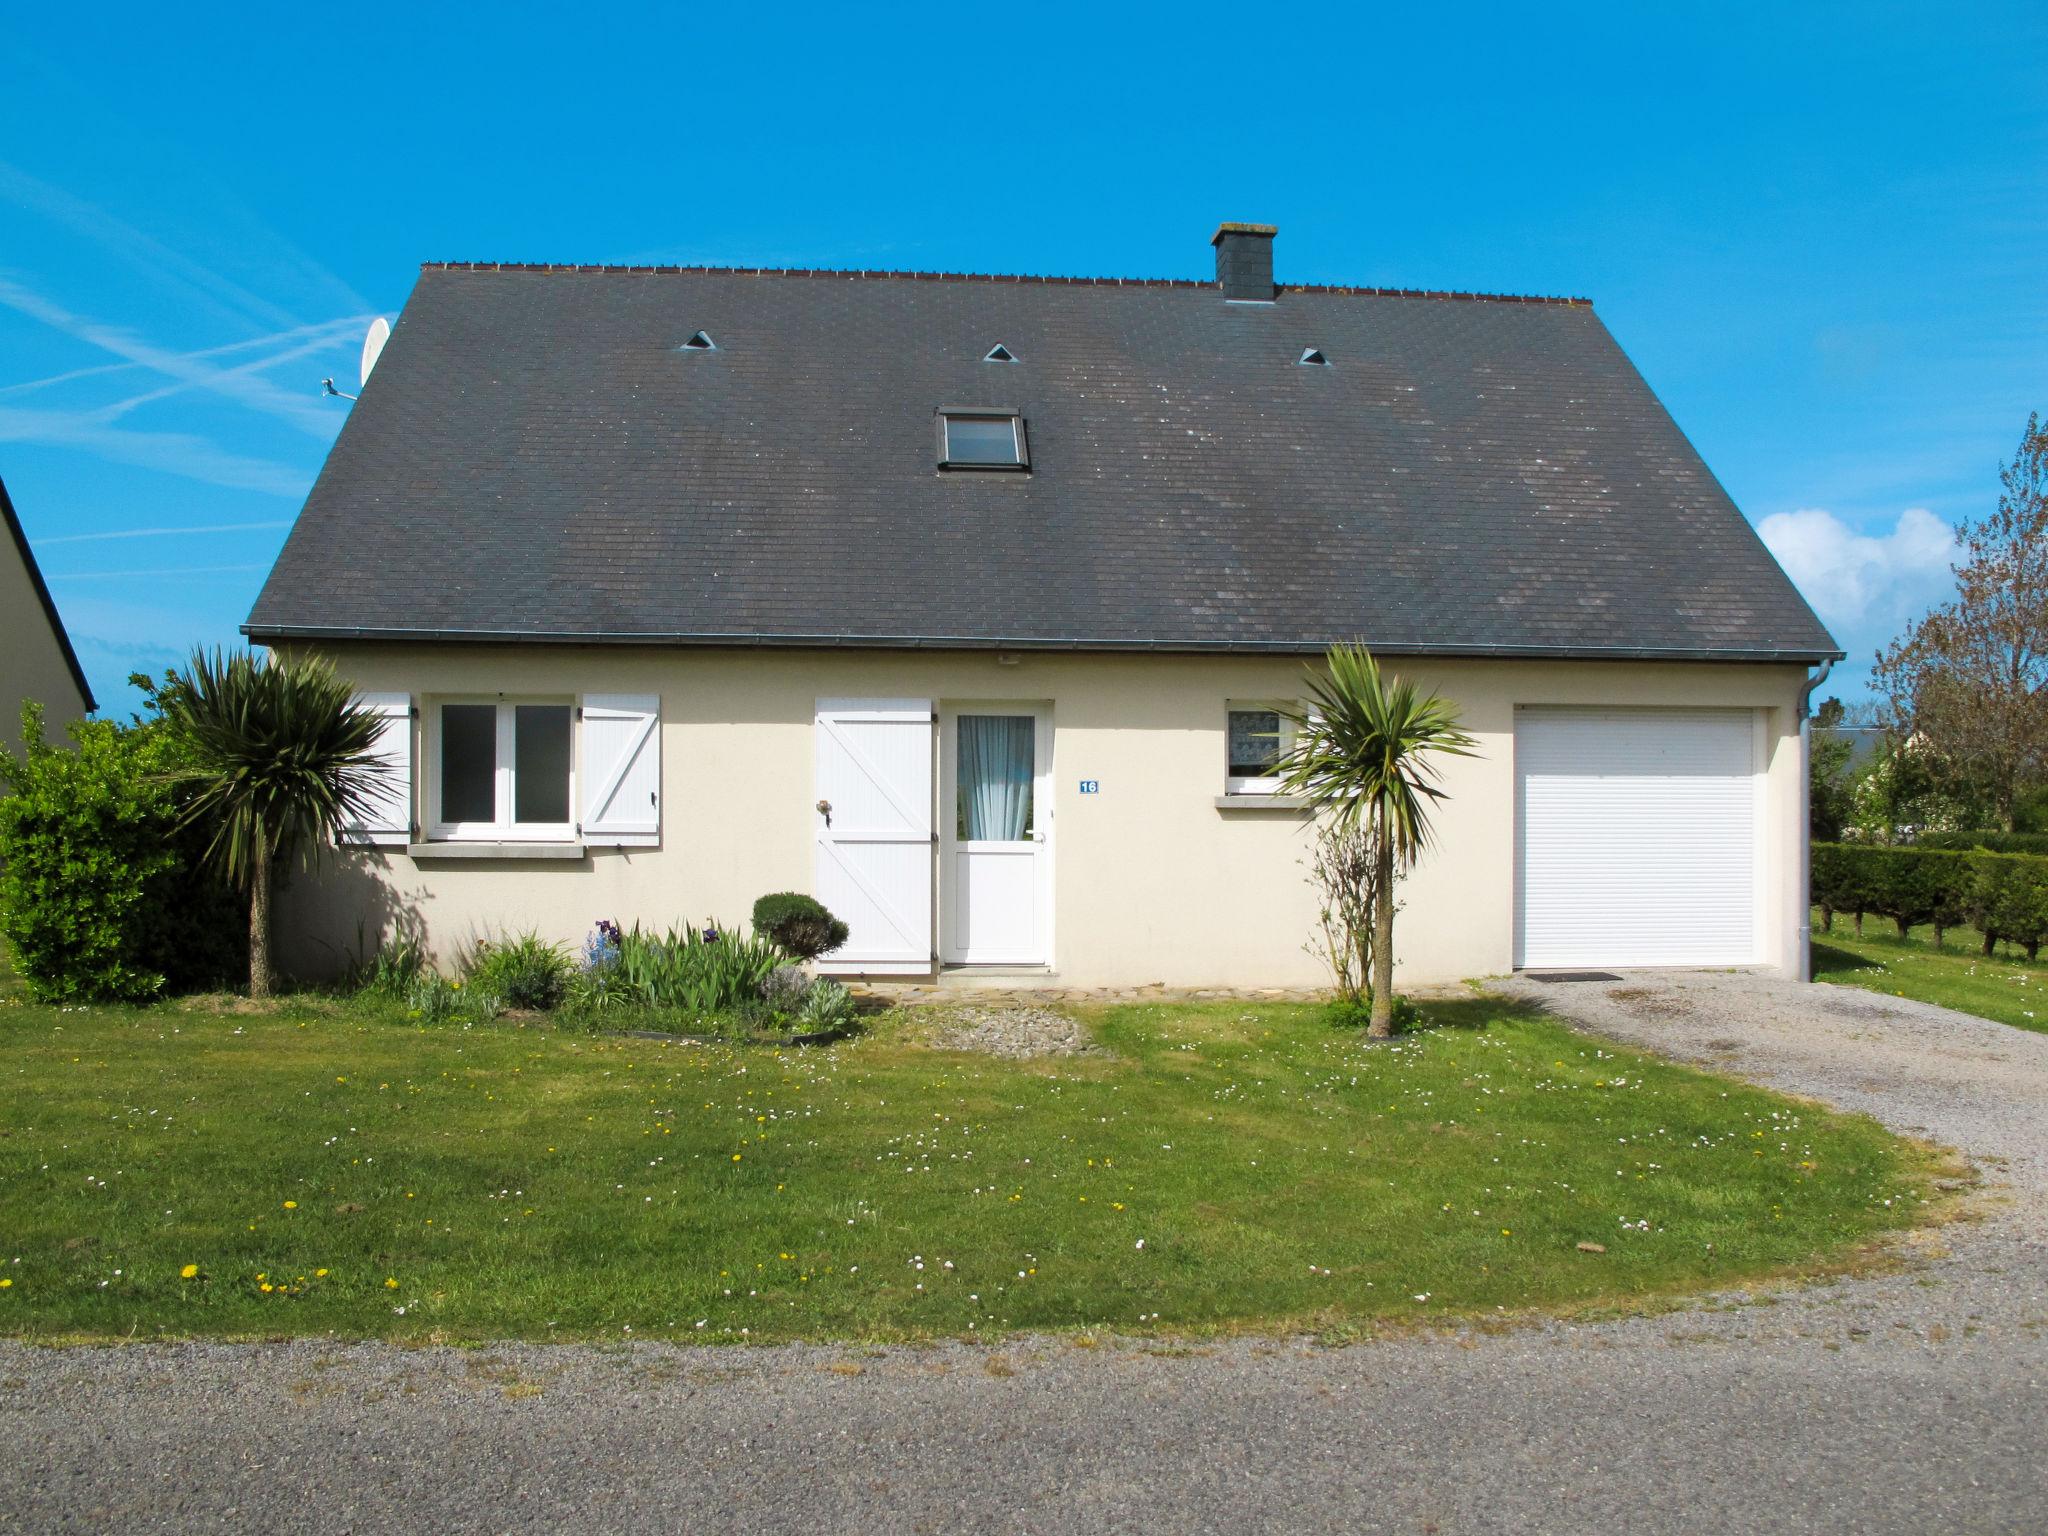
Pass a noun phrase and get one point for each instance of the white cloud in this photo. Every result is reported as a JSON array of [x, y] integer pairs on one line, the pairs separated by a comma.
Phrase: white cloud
[[1866, 587]]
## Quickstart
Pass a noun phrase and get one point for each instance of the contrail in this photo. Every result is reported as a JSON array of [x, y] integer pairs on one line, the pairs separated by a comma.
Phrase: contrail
[[160, 533], [248, 389], [181, 570], [326, 329]]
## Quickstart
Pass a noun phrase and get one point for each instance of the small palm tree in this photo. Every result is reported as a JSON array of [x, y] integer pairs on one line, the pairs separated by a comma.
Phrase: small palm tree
[[280, 760], [1363, 752]]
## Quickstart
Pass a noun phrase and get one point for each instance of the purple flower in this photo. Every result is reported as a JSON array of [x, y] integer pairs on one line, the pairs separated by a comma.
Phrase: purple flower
[[710, 935]]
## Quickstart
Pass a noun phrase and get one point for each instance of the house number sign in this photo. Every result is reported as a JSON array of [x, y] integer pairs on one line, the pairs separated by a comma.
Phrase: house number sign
[[1091, 786]]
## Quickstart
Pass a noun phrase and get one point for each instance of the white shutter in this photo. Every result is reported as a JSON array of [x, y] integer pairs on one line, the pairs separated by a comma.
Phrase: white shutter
[[622, 769], [1639, 833], [874, 846], [386, 821]]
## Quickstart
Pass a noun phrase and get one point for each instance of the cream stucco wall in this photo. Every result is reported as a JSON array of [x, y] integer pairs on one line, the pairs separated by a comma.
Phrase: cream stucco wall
[[1152, 882], [32, 664]]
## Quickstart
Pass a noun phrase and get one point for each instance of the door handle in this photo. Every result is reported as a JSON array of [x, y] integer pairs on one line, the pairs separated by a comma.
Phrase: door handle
[[825, 810]]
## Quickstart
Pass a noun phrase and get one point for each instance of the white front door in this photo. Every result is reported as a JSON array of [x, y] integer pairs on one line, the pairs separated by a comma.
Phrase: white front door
[[873, 827], [995, 827], [1639, 834]]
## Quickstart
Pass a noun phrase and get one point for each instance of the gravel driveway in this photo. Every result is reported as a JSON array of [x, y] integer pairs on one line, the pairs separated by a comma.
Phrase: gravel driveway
[[1911, 1402]]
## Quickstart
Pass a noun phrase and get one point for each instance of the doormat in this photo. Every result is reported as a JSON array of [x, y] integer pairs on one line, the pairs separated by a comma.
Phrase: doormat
[[1571, 975]]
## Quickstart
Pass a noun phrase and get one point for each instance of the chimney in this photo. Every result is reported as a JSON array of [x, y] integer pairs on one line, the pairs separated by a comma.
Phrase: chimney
[[1244, 261]]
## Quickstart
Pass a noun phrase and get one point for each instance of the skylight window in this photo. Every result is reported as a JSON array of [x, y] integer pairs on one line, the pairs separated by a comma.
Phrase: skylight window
[[700, 342], [971, 437], [1000, 354], [1312, 357]]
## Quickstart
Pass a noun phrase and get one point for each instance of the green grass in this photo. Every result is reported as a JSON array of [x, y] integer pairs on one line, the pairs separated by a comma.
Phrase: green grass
[[1959, 975], [1217, 1166]]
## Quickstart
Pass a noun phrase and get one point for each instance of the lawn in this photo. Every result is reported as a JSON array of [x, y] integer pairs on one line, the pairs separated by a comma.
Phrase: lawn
[[322, 1167], [1959, 975]]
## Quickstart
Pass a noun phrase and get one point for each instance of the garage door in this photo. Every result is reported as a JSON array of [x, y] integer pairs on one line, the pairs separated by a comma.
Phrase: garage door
[[1638, 837]]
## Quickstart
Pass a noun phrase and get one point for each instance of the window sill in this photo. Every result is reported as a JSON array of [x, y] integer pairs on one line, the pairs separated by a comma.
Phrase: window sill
[[466, 850], [1262, 802]]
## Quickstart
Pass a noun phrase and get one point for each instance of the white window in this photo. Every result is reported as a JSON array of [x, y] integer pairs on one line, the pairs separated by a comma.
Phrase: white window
[[504, 770], [973, 438], [1257, 737]]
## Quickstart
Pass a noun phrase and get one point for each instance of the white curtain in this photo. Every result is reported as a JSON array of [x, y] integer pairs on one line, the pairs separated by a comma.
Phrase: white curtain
[[996, 761]]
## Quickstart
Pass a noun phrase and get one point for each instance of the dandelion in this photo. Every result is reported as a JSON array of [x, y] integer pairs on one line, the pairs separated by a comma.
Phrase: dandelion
[[6, 1285], [291, 1205], [390, 1284], [189, 1272]]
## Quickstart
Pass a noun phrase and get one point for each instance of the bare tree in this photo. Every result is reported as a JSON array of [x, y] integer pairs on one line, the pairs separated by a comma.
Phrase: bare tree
[[1970, 680]]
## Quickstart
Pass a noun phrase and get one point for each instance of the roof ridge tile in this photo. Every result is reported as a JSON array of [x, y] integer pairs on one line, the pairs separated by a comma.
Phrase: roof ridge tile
[[640, 269]]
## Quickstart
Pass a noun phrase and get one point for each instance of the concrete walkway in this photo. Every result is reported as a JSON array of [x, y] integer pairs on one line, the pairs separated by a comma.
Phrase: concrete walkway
[[1915, 1401]]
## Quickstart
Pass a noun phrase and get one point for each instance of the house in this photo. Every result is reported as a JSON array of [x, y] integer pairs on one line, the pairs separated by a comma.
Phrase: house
[[36, 659], [969, 604]]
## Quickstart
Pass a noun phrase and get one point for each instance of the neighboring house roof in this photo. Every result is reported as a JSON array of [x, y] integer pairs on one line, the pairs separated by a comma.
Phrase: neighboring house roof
[[539, 457], [42, 591], [1865, 741]]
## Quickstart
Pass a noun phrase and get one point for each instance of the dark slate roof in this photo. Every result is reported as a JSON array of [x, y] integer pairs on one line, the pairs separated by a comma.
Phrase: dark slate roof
[[535, 458], [35, 577]]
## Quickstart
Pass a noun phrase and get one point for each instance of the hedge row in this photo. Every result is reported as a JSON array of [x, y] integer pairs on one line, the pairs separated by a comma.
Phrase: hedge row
[[1989, 842], [2004, 895]]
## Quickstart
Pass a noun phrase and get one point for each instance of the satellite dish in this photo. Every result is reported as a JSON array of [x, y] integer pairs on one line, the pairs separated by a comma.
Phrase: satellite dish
[[373, 344]]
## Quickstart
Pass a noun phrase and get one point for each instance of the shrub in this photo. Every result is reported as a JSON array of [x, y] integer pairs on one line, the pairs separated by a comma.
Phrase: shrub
[[786, 988], [1911, 886], [526, 971], [1990, 842], [2004, 894], [2010, 900], [683, 969], [799, 924], [101, 894], [391, 971], [827, 1006], [434, 999]]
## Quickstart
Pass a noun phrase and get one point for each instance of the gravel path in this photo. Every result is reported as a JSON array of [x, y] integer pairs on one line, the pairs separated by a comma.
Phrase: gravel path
[[1909, 1402]]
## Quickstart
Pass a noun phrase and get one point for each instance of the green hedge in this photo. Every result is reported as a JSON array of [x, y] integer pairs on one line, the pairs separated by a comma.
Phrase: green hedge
[[1989, 842], [2005, 895], [102, 896]]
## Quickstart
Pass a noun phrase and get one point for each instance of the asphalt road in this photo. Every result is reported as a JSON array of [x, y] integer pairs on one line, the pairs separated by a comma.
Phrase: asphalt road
[[1912, 1401]]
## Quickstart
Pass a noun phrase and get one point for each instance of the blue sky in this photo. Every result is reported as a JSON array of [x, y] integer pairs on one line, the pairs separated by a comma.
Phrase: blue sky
[[1821, 232]]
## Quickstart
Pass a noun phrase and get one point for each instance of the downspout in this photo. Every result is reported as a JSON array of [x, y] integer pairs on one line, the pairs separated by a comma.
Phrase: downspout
[[1802, 912]]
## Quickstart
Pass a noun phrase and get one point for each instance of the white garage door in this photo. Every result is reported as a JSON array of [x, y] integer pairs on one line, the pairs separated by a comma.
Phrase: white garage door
[[1638, 835]]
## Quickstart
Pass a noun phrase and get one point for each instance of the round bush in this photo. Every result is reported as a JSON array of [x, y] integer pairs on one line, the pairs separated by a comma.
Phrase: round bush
[[799, 923]]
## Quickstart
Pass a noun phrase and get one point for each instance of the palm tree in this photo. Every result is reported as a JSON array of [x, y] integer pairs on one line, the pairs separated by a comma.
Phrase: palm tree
[[281, 757], [1363, 751]]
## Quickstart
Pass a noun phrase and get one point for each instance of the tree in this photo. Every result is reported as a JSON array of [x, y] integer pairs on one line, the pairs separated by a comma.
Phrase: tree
[[1829, 754], [1363, 756], [281, 758], [1970, 680]]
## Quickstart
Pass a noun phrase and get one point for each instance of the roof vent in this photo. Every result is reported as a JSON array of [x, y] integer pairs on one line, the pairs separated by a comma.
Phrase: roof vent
[[1244, 262], [700, 342], [1000, 354], [1312, 357]]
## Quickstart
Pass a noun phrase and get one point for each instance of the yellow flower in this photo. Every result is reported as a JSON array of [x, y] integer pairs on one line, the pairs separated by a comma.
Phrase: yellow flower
[[735, 1157], [318, 1273], [391, 1285], [189, 1272], [267, 1286], [5, 1284], [291, 1205]]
